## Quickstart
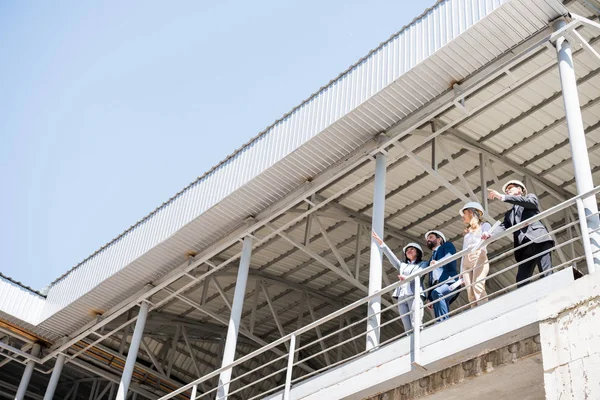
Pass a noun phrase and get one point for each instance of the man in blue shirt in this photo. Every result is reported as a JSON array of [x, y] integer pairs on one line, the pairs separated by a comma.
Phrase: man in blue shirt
[[445, 275]]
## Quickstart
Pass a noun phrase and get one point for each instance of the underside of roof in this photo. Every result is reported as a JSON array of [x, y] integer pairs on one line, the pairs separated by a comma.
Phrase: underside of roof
[[321, 156]]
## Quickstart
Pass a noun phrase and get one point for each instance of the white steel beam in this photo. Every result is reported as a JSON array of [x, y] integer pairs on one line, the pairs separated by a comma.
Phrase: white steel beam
[[350, 278], [235, 318], [188, 345], [273, 312], [366, 221], [317, 329], [586, 45], [22, 390], [452, 188], [454, 168], [490, 166], [309, 218], [483, 182], [313, 254], [58, 366], [465, 141], [254, 305], [150, 354], [103, 392], [109, 376], [138, 332], [224, 322], [357, 251], [299, 321], [581, 161], [332, 246], [376, 259], [221, 292], [125, 333], [173, 353]]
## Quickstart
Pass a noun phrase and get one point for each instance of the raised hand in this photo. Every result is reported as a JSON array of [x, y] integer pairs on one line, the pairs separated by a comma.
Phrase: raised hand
[[376, 237], [494, 194]]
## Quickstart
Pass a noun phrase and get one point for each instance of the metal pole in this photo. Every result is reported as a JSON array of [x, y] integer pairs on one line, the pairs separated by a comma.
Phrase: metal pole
[[27, 373], [234, 319], [194, 392], [290, 368], [376, 262], [58, 366], [136, 339], [585, 237], [579, 150], [416, 336], [484, 199]]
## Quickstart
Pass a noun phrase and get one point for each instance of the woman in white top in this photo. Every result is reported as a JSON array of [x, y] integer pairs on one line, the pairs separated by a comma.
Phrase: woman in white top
[[405, 294], [475, 265]]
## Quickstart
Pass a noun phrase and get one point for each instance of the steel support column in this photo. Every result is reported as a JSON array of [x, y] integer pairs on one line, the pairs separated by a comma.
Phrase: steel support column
[[483, 178], [376, 261], [27, 373], [579, 150], [234, 320], [136, 339], [58, 366]]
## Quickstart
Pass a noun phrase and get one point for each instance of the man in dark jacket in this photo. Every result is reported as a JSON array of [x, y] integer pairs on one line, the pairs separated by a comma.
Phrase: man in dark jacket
[[524, 207], [444, 275]]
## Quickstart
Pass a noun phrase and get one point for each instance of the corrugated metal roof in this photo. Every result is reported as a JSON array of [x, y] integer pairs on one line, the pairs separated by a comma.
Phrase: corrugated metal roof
[[20, 305]]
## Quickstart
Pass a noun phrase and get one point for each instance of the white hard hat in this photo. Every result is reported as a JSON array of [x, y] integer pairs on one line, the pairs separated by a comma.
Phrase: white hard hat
[[415, 245], [514, 182], [440, 234], [471, 204]]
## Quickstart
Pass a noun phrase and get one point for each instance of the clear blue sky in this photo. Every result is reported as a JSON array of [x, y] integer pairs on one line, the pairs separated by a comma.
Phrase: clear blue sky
[[110, 108]]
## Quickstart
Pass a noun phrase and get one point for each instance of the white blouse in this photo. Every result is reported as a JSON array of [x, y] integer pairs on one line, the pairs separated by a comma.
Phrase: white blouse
[[474, 238]]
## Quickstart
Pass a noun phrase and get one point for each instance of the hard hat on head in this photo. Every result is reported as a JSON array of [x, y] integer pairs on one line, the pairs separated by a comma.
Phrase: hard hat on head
[[440, 234], [514, 182], [472, 204], [415, 245]]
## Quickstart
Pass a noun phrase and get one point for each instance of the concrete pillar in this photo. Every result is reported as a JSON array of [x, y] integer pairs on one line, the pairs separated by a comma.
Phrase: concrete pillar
[[570, 340], [133, 351], [58, 366], [27, 373], [376, 261], [579, 150], [234, 320]]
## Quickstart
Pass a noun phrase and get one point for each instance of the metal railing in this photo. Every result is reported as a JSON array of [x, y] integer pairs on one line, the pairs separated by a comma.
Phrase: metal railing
[[281, 372]]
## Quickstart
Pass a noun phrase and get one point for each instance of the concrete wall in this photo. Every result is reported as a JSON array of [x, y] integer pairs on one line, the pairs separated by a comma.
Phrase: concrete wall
[[570, 339], [510, 372]]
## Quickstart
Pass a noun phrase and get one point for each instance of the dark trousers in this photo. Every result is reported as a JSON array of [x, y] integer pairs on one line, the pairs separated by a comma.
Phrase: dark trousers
[[543, 261], [442, 307]]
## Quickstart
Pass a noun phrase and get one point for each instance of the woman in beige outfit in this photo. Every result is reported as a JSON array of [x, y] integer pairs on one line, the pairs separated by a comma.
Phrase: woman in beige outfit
[[475, 265]]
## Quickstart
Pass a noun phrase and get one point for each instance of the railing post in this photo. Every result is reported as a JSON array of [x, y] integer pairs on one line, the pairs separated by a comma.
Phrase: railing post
[[416, 336], [194, 392], [585, 237], [376, 263], [290, 367], [579, 150]]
